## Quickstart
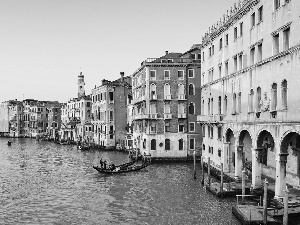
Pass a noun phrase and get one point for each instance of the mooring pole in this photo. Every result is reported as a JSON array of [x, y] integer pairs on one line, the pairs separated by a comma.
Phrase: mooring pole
[[194, 155], [202, 168], [265, 201], [222, 180], [243, 184], [208, 171], [286, 207]]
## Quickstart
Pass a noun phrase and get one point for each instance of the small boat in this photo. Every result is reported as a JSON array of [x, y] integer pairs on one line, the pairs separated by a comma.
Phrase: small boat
[[84, 147], [118, 169]]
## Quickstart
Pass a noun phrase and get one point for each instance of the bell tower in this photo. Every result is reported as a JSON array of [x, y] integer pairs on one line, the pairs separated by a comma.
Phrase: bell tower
[[81, 83]]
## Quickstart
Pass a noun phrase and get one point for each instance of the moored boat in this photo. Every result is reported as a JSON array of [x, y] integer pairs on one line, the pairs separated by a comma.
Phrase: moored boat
[[120, 169]]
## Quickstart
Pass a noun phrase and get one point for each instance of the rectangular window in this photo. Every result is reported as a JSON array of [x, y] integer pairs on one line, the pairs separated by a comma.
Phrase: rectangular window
[[276, 44], [180, 128], [191, 73], [202, 56], [203, 130], [192, 127], [252, 24], [193, 56], [235, 33], [152, 74], [180, 74], [219, 133], [276, 4], [167, 127], [167, 74], [259, 52], [286, 39], [209, 51], [180, 143], [252, 53], [220, 71], [241, 29], [260, 14], [192, 143], [221, 43], [199, 56], [213, 50]]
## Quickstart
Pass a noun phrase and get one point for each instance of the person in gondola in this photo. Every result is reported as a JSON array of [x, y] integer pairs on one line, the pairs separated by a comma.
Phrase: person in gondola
[[101, 163], [112, 167], [104, 164], [9, 143]]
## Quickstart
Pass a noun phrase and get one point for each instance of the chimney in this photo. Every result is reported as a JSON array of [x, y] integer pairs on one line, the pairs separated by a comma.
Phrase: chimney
[[167, 52], [122, 76]]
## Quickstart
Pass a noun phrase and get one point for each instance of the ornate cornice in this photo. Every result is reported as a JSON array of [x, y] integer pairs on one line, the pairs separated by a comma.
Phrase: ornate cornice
[[265, 61], [246, 6], [281, 28]]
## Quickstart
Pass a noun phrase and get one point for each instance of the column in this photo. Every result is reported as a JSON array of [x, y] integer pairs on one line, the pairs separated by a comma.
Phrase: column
[[239, 161], [256, 168], [226, 157], [280, 174]]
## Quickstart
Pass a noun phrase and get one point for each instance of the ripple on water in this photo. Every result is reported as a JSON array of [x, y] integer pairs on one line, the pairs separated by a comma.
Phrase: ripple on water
[[45, 183]]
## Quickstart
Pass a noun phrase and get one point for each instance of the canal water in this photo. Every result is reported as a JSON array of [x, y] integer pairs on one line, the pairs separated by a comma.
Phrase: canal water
[[46, 183]]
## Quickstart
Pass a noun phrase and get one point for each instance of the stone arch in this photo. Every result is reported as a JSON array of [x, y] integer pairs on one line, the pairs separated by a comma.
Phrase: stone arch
[[245, 145], [266, 145], [229, 149], [228, 133], [289, 138]]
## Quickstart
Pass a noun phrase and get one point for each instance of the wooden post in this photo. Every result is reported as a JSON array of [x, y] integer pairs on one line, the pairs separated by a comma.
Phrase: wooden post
[[243, 184], [194, 155], [208, 171], [202, 168], [286, 207], [222, 180], [265, 201]]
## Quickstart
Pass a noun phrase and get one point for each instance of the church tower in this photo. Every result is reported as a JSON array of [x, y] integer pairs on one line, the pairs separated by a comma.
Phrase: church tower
[[81, 91]]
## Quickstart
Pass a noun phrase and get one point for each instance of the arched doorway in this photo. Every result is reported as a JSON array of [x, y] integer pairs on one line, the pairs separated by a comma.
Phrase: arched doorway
[[244, 154], [265, 146], [230, 150], [288, 167]]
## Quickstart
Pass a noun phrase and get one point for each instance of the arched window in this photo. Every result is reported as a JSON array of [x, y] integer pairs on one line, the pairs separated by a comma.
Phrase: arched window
[[274, 97], [239, 102], [191, 89], [167, 144], [220, 105], [180, 89], [258, 99], [212, 106], [225, 105], [152, 90], [251, 99], [234, 103], [153, 144], [208, 107], [191, 108], [284, 94], [180, 144], [167, 90]]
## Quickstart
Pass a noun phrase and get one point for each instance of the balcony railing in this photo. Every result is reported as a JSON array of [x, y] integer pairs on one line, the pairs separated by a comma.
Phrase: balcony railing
[[168, 97], [153, 97], [181, 115], [169, 61], [181, 97], [167, 116], [210, 118]]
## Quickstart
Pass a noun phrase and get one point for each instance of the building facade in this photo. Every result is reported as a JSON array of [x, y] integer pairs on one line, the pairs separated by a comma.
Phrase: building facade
[[250, 114], [164, 105], [109, 112]]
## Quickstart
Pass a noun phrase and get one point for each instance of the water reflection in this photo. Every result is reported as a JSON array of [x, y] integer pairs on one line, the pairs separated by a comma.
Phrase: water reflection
[[45, 183]]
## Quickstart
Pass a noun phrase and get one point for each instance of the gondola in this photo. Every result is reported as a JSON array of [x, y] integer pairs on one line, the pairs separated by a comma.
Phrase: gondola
[[83, 147], [122, 169]]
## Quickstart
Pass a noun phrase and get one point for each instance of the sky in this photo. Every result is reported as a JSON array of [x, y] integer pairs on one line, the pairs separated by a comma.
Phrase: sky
[[44, 44]]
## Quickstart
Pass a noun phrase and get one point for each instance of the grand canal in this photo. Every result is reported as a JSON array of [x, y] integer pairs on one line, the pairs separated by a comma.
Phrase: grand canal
[[46, 183]]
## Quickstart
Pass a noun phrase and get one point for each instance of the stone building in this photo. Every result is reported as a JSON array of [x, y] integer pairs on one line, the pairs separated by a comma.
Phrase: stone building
[[109, 112], [76, 116], [11, 118], [250, 114], [54, 120], [165, 91]]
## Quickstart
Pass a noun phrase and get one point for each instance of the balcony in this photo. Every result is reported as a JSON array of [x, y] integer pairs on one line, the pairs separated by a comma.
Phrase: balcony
[[111, 102], [167, 116], [168, 97], [153, 97], [153, 116], [209, 118], [181, 97], [181, 115]]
